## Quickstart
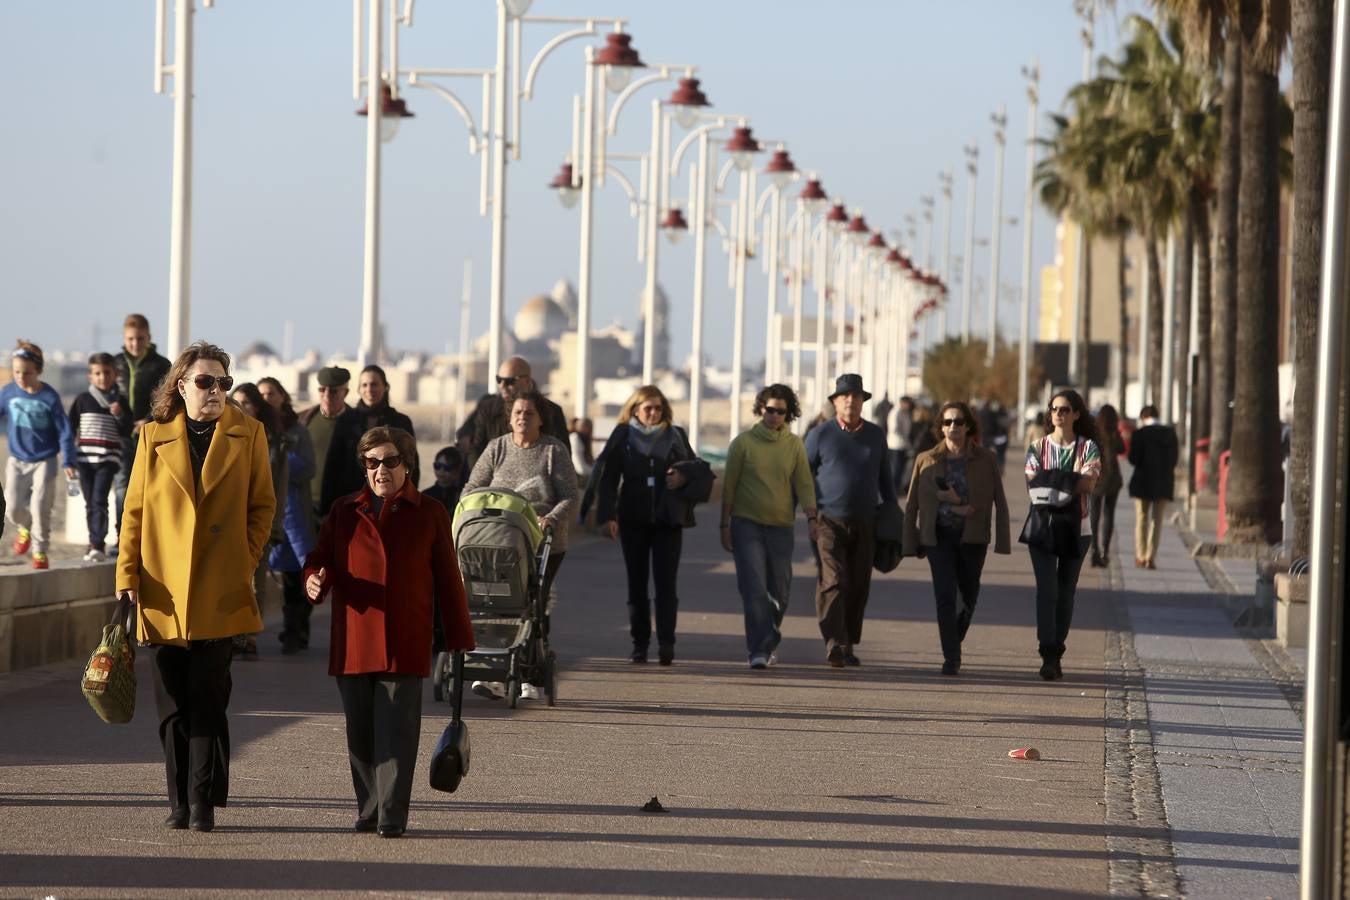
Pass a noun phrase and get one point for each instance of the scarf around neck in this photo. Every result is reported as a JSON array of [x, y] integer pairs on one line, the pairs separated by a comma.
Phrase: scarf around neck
[[100, 397], [651, 440]]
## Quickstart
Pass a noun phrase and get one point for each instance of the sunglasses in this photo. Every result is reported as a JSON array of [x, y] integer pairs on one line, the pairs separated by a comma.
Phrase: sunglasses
[[207, 382], [775, 410], [442, 467], [389, 462], [953, 423], [509, 381], [1060, 410]]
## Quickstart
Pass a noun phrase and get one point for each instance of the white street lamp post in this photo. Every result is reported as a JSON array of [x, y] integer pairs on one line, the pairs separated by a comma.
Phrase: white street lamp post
[[369, 350], [1000, 120], [180, 203], [968, 264], [1033, 77], [700, 223], [946, 179]]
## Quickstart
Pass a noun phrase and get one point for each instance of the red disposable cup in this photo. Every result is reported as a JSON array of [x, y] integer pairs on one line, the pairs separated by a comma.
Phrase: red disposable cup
[[1025, 753]]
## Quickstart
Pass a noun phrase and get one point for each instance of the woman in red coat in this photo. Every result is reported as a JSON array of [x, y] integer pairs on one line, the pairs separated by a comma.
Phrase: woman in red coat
[[384, 556]]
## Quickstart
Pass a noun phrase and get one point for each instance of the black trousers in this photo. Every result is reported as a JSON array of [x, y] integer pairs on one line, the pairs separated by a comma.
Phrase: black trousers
[[295, 611], [846, 548], [956, 569], [1103, 527], [96, 481], [651, 552], [1056, 585], [384, 723], [192, 690]]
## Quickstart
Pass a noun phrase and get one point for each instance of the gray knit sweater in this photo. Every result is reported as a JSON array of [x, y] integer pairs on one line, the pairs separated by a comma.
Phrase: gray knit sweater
[[542, 474]]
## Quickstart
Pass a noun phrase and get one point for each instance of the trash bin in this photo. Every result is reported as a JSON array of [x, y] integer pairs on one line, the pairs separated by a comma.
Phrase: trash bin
[[1201, 457], [1224, 459]]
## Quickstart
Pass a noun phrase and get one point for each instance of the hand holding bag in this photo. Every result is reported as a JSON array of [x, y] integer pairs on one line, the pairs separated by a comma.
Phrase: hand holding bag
[[450, 762], [109, 680]]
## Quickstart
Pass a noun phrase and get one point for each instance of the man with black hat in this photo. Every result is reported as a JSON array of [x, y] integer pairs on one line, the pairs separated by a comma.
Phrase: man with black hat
[[335, 429], [847, 455], [492, 417]]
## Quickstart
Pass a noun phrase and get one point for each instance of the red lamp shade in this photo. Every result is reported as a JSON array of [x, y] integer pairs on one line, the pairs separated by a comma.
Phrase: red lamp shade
[[813, 195], [619, 59], [780, 168], [687, 100], [836, 218]]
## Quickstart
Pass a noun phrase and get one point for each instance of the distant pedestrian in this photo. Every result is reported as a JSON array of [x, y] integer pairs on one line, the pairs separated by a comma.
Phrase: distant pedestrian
[[994, 429], [140, 370], [1062, 468], [251, 402], [583, 454], [334, 430], [450, 478], [1153, 453], [847, 456], [375, 410], [287, 555], [899, 446], [642, 479], [101, 421], [38, 431], [1102, 502], [198, 515], [955, 501], [385, 559], [767, 477], [491, 418]]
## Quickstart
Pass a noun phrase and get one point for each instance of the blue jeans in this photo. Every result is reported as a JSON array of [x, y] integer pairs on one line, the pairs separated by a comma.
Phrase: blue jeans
[[1056, 584], [96, 479], [763, 555]]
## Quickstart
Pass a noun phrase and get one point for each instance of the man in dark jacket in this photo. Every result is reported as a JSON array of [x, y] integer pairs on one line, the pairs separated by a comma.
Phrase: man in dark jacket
[[1153, 453], [140, 369], [847, 455], [492, 417], [375, 412], [335, 430]]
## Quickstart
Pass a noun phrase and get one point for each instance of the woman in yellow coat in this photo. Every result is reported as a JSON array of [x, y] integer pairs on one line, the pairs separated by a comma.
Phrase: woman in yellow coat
[[198, 513]]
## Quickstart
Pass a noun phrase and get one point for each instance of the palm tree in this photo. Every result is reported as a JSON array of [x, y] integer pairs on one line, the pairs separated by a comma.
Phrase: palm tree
[[1255, 482], [1312, 29]]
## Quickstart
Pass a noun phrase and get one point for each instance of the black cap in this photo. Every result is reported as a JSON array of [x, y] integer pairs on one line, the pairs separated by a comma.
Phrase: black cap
[[849, 384], [333, 376]]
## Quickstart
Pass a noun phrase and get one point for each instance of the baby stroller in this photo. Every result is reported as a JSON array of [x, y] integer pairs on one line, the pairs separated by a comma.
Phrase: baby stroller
[[502, 556]]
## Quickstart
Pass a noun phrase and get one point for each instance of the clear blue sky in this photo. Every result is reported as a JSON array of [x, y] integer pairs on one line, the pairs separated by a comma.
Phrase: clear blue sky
[[876, 97]]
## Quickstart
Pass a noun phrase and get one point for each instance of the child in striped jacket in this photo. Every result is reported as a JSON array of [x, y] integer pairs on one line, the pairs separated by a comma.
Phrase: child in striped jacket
[[101, 422]]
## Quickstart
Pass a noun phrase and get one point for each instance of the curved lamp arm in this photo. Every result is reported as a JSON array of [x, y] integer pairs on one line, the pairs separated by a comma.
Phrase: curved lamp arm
[[663, 74], [588, 30], [627, 186], [476, 141]]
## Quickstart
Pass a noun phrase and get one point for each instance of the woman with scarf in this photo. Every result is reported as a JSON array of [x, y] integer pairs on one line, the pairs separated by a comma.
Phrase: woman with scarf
[[644, 475], [767, 475]]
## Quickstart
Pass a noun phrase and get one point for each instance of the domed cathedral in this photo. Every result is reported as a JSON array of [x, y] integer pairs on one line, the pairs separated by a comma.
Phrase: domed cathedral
[[661, 316], [565, 296]]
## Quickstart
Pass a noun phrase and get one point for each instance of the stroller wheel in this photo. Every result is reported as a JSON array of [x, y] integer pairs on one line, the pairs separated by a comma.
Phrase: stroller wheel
[[551, 678], [512, 691], [439, 673]]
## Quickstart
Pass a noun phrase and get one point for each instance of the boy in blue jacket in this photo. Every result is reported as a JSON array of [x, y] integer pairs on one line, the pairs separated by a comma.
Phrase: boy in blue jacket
[[38, 429]]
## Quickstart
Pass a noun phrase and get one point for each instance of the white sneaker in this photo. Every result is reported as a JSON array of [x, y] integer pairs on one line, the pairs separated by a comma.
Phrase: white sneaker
[[529, 692], [492, 690], [772, 660], [759, 661], [95, 555]]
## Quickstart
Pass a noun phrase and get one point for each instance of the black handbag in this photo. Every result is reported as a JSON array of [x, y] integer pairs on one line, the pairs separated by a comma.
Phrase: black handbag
[[1055, 529], [450, 762]]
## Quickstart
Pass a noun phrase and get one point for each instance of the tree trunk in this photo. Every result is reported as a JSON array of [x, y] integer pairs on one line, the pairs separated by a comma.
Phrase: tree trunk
[[1085, 322], [1155, 323], [1255, 482], [1224, 324], [1312, 21], [1203, 313], [1181, 352], [1122, 370]]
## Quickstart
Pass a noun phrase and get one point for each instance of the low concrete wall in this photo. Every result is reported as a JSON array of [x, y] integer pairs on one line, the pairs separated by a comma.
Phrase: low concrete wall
[[58, 615], [47, 617]]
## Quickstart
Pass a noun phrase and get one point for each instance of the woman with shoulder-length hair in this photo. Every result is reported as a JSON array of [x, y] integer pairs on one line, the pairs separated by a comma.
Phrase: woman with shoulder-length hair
[[198, 513], [639, 502], [1062, 469], [955, 488], [1102, 501], [384, 558], [767, 476]]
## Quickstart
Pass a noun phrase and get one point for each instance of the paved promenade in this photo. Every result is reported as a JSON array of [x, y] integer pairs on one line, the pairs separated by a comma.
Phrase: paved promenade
[[1171, 756]]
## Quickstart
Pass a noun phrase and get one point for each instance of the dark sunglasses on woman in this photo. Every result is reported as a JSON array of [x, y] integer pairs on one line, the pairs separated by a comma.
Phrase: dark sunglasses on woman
[[389, 462], [206, 382]]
